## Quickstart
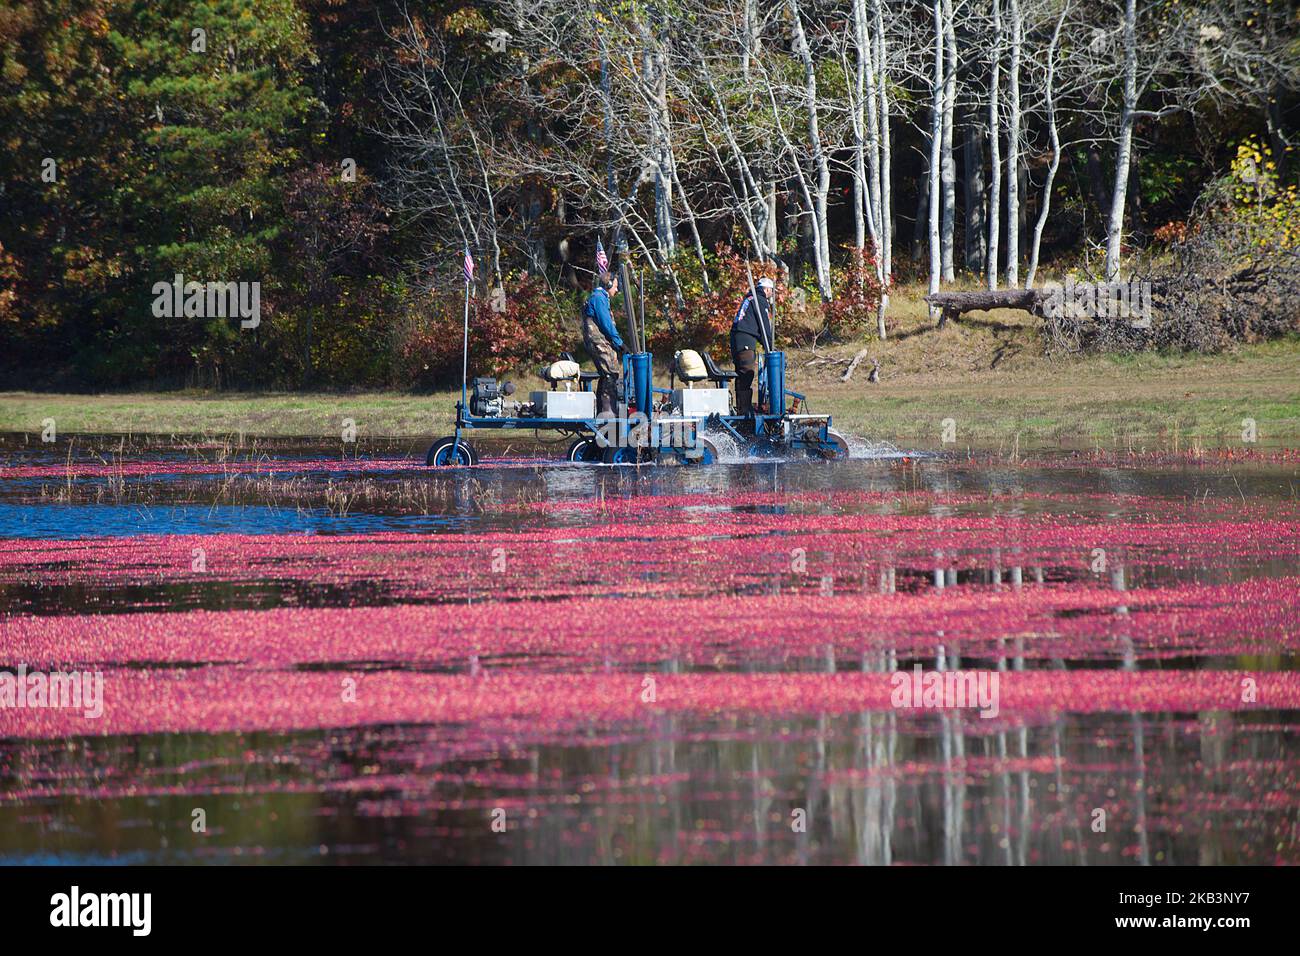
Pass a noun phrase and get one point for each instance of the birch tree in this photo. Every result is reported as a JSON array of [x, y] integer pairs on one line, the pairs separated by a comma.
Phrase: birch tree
[[1054, 142], [886, 159], [816, 195], [1016, 27], [1146, 49], [936, 146], [947, 168], [865, 84], [1124, 144], [995, 153]]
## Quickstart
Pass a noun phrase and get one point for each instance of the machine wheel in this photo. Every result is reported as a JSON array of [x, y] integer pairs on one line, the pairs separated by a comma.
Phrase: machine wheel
[[710, 456], [448, 451], [837, 448], [625, 456], [585, 449]]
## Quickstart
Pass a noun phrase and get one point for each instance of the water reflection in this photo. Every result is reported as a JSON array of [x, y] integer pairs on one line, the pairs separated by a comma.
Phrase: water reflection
[[874, 788], [690, 574]]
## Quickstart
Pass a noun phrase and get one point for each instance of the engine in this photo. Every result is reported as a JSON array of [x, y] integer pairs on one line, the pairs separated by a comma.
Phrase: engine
[[488, 400]]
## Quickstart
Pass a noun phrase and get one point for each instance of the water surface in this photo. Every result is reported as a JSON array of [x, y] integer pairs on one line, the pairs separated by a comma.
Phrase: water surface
[[357, 660]]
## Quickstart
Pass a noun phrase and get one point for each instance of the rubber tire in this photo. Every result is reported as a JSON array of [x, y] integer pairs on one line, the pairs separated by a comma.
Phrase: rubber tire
[[584, 450], [441, 454], [625, 456]]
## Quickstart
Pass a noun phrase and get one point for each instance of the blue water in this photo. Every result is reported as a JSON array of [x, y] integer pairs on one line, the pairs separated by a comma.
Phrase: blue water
[[67, 521]]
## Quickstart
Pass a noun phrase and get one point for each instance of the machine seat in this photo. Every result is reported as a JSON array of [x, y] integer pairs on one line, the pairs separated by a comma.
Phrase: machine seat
[[690, 367], [715, 374], [583, 377], [565, 370]]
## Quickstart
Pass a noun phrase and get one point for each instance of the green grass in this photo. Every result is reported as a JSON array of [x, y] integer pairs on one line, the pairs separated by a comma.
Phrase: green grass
[[987, 373], [251, 414]]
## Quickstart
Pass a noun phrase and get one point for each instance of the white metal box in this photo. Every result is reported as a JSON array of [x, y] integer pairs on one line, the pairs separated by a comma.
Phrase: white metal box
[[564, 404], [702, 402]]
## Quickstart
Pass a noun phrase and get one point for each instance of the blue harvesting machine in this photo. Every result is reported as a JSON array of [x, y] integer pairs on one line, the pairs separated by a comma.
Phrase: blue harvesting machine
[[653, 425]]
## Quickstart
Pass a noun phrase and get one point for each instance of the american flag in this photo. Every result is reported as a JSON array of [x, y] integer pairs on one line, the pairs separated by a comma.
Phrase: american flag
[[469, 266], [602, 260]]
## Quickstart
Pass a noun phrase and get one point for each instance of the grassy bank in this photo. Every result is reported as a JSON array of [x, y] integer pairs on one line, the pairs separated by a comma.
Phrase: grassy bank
[[986, 373]]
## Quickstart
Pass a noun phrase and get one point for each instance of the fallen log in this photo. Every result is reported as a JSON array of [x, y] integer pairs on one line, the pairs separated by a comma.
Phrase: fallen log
[[853, 366], [952, 305]]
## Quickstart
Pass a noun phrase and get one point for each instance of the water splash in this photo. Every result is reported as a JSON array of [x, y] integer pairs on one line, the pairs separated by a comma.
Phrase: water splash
[[729, 450], [860, 447]]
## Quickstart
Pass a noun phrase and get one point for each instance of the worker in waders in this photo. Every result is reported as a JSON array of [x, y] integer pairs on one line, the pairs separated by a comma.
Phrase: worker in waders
[[603, 342], [751, 327]]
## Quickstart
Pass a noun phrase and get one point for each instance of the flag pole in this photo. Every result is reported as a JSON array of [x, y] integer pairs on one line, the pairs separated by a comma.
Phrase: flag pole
[[464, 357], [464, 348]]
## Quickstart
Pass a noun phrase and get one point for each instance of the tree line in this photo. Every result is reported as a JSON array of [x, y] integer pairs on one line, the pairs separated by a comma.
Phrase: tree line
[[341, 154]]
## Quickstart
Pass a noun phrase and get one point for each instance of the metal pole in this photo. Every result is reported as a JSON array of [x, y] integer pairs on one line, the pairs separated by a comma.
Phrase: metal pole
[[767, 341], [629, 309], [464, 349], [464, 369], [641, 292]]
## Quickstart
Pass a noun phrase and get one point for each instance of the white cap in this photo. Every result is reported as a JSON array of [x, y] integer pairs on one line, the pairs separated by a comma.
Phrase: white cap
[[766, 283]]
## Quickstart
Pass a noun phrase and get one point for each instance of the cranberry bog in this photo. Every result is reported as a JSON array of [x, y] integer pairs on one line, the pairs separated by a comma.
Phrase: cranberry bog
[[302, 656]]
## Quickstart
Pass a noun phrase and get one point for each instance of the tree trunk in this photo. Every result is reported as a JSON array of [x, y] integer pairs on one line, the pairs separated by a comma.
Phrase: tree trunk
[[867, 140], [976, 198], [770, 223], [947, 168], [1124, 148], [752, 37], [1013, 146], [530, 213], [885, 193], [611, 182], [821, 162], [861, 190], [920, 220], [954, 304], [1273, 122], [654, 77], [1054, 140], [936, 137], [995, 150]]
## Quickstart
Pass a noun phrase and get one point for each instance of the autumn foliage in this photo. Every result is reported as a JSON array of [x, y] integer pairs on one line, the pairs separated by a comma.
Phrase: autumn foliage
[[514, 325]]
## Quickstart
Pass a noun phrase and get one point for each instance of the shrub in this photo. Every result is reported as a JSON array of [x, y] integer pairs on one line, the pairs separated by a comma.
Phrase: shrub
[[1231, 273], [523, 323], [703, 319]]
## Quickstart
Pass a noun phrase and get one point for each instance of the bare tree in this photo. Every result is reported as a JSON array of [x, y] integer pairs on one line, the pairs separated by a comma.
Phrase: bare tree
[[442, 175], [995, 154], [947, 168], [1054, 137], [886, 159], [864, 79], [1243, 52], [816, 196], [1124, 145], [1016, 23], [1146, 50], [937, 99]]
